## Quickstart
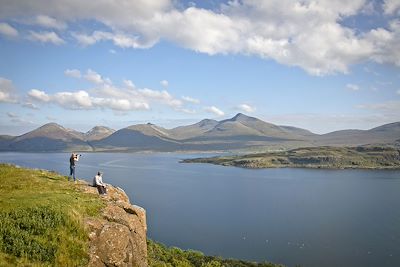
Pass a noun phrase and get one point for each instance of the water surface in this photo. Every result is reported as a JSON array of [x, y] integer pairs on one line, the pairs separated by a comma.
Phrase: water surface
[[291, 216]]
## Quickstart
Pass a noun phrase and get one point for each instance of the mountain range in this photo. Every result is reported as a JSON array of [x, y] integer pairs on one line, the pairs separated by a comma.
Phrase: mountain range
[[241, 132]]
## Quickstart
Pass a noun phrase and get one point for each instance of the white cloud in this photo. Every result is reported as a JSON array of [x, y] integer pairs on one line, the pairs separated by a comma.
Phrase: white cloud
[[246, 108], [164, 83], [93, 77], [49, 22], [45, 37], [73, 100], [119, 39], [353, 87], [162, 96], [7, 91], [190, 100], [398, 92], [7, 30], [307, 34], [391, 6], [129, 84], [214, 110], [74, 73], [39, 95], [105, 95], [112, 51]]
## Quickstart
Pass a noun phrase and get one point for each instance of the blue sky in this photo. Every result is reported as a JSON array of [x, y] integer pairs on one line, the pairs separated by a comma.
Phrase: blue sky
[[320, 65]]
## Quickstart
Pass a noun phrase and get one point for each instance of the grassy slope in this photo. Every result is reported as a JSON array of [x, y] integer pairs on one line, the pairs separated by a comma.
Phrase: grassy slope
[[314, 157], [41, 219], [41, 224]]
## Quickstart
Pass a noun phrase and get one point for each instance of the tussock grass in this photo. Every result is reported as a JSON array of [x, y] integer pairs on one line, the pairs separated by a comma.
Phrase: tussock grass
[[41, 219]]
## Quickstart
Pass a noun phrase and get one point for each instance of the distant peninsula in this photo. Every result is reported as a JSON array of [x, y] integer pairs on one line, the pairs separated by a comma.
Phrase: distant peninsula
[[362, 157]]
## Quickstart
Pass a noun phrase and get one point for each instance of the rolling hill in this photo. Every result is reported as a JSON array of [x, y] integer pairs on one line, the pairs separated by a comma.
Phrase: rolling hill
[[239, 132]]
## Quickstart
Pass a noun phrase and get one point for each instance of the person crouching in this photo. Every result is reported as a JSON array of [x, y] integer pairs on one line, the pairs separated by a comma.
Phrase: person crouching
[[98, 182]]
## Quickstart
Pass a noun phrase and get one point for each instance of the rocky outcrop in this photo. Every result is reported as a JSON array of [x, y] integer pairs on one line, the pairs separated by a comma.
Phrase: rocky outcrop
[[118, 236]]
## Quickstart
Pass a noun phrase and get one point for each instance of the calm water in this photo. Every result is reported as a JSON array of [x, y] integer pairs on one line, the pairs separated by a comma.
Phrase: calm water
[[289, 216]]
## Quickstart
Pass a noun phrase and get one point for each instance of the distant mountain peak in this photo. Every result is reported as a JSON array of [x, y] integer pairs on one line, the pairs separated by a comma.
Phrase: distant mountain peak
[[241, 117], [51, 125], [98, 132], [99, 129]]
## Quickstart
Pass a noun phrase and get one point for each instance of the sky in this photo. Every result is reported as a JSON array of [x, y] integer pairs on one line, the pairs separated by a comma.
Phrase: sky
[[320, 65]]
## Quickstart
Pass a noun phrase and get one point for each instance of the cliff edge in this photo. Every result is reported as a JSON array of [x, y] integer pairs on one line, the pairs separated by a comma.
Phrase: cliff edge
[[118, 237], [47, 221]]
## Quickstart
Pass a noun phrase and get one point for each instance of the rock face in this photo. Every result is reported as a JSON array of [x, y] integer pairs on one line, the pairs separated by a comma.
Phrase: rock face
[[118, 237]]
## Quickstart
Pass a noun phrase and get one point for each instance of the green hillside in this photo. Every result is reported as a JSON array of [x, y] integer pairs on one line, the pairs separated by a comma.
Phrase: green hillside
[[41, 219]]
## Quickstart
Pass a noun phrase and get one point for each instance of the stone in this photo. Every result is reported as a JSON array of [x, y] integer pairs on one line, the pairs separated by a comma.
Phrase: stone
[[118, 238]]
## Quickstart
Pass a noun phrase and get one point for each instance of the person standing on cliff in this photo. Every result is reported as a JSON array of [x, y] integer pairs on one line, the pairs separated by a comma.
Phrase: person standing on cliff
[[72, 160], [98, 182]]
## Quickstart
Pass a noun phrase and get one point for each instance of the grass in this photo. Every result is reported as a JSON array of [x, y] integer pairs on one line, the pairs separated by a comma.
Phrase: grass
[[41, 219], [162, 256]]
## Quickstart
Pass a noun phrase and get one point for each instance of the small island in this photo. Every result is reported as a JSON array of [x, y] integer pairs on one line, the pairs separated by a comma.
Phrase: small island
[[361, 157]]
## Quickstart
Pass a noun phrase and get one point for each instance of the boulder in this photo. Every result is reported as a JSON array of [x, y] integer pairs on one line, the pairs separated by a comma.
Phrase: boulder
[[118, 237]]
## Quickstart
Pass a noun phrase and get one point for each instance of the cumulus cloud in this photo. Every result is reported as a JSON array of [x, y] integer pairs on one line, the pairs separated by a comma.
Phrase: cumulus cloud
[[74, 73], [164, 83], [105, 95], [190, 99], [7, 91], [163, 96], [49, 22], [39, 95], [7, 30], [216, 111], [93, 77], [391, 6], [246, 108], [308, 34], [353, 87], [45, 37]]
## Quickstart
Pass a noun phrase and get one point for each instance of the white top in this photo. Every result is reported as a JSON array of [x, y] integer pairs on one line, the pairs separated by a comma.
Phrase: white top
[[98, 180]]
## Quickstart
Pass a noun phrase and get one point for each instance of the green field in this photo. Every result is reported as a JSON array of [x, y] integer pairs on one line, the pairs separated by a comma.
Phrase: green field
[[366, 157]]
